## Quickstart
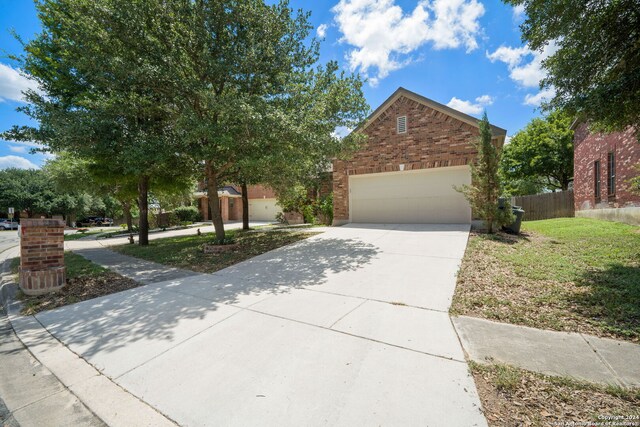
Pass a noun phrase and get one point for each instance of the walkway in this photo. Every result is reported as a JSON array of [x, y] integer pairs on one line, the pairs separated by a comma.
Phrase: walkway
[[581, 356]]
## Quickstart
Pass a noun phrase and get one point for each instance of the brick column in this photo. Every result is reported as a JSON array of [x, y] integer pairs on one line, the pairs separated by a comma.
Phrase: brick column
[[41, 256]]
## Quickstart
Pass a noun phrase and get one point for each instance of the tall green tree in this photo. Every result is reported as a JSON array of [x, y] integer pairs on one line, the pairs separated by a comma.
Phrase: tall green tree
[[485, 189], [249, 83], [596, 69], [87, 178], [109, 83], [33, 192], [540, 154]]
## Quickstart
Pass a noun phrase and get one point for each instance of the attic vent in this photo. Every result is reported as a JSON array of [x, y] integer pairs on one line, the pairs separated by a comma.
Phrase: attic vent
[[401, 124]]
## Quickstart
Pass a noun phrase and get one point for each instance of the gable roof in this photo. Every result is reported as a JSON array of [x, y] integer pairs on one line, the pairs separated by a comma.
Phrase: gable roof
[[495, 130]]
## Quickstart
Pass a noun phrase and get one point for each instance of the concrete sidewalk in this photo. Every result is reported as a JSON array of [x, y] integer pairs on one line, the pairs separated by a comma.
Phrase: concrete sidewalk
[[134, 268], [30, 395], [581, 356]]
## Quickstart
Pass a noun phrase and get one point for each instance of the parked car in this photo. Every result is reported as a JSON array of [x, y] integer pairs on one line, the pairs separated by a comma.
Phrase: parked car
[[7, 224], [98, 221]]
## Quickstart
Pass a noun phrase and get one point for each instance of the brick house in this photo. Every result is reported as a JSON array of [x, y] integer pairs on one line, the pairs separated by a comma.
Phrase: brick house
[[262, 203], [417, 151], [603, 166]]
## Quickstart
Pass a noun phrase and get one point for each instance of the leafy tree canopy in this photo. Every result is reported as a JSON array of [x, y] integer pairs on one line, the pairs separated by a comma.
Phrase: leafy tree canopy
[[540, 156], [596, 69]]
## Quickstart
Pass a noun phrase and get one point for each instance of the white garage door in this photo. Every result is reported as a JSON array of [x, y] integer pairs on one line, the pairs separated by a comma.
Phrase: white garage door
[[422, 196], [263, 209]]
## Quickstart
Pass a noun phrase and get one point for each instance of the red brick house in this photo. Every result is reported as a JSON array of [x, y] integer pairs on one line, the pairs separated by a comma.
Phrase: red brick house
[[417, 151], [603, 166], [262, 203]]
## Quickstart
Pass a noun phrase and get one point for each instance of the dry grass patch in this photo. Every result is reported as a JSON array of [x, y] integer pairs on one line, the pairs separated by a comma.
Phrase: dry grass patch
[[569, 274], [514, 397]]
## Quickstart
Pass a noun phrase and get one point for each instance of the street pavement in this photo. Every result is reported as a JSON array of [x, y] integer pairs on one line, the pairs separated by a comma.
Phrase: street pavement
[[349, 327]]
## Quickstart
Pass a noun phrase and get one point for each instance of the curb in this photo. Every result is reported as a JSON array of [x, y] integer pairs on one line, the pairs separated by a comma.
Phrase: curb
[[109, 402]]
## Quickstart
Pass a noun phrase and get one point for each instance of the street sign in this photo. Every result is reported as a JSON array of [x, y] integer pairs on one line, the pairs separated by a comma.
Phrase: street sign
[[11, 212]]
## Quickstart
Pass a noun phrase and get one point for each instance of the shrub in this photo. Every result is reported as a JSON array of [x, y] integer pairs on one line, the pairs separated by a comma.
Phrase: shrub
[[307, 213], [187, 214], [325, 208]]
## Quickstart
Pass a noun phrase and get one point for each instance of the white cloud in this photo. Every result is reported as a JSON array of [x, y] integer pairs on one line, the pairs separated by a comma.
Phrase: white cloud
[[18, 149], [525, 68], [341, 132], [16, 162], [507, 139], [518, 12], [321, 31], [383, 35], [12, 84], [540, 97], [469, 107]]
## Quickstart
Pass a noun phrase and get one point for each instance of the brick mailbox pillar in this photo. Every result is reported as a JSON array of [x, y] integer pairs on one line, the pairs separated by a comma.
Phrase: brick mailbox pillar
[[41, 256]]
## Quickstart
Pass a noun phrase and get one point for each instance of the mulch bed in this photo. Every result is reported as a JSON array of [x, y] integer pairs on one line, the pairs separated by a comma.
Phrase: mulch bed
[[514, 397], [77, 289]]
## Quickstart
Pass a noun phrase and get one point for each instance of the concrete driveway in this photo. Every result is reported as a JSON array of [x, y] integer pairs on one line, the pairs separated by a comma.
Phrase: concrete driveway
[[347, 328]]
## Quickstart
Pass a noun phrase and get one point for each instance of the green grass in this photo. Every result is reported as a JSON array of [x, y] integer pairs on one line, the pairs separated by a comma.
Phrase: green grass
[[187, 251], [574, 274], [76, 266], [576, 246], [76, 236], [80, 266]]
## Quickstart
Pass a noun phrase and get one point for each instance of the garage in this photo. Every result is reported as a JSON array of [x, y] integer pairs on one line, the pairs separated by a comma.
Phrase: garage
[[263, 209], [419, 196]]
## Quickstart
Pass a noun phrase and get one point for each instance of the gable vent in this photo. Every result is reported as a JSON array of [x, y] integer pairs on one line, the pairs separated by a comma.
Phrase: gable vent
[[401, 124]]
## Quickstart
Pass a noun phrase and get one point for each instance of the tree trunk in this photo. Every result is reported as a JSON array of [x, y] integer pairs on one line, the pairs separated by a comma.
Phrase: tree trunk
[[126, 209], [143, 202], [214, 200], [245, 207]]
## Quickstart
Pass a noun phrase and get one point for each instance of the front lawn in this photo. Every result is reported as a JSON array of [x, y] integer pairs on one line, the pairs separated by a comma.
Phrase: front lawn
[[187, 251], [515, 397], [567, 274], [85, 280]]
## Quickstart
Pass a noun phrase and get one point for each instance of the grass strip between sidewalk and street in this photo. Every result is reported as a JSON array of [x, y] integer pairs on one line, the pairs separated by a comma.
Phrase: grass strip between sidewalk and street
[[187, 251], [567, 274], [515, 397], [85, 280]]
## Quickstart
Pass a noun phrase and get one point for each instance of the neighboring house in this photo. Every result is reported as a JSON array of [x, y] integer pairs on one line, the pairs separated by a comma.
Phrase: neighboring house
[[262, 203], [603, 166], [417, 151]]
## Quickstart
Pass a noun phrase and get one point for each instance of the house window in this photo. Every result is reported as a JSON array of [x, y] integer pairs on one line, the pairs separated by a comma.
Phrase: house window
[[401, 124], [611, 174], [596, 180]]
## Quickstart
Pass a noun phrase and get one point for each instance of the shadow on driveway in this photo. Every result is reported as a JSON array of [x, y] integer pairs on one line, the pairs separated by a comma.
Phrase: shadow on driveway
[[149, 320]]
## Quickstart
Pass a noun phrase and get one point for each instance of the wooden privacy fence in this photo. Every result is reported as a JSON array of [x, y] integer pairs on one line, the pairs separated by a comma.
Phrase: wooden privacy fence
[[546, 205]]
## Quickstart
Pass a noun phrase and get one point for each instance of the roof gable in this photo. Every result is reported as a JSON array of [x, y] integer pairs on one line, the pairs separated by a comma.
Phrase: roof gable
[[465, 118]]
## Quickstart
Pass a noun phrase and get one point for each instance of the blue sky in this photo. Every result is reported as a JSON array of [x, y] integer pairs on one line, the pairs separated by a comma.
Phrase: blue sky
[[463, 53]]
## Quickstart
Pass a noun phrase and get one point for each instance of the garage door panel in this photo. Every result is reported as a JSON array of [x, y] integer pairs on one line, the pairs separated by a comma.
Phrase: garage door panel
[[425, 196], [263, 209]]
